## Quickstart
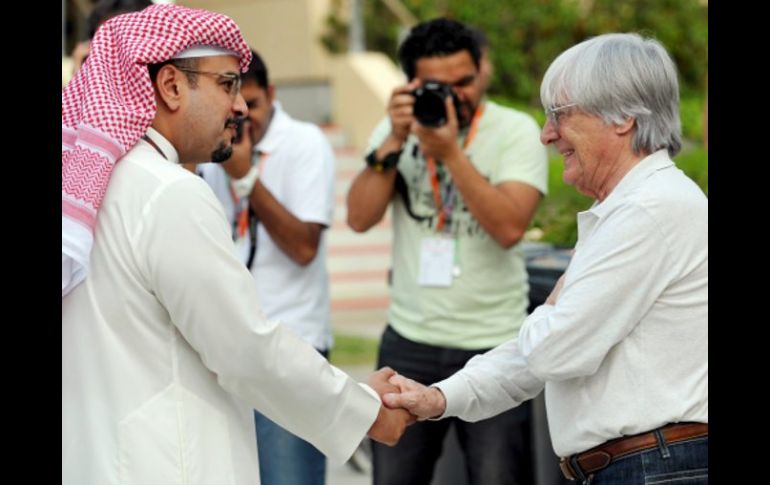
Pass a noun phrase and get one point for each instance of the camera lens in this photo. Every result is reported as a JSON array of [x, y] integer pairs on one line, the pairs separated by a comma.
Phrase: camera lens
[[429, 103]]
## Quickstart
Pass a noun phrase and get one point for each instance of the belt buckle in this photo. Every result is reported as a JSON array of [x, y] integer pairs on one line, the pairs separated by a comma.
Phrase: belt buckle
[[566, 469]]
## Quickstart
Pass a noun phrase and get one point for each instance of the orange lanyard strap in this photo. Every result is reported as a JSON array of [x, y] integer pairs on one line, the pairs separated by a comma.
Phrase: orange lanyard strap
[[434, 185], [474, 127], [241, 210], [241, 223]]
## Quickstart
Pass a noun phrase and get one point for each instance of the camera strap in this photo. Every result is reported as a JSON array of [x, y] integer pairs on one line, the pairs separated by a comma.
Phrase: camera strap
[[431, 163]]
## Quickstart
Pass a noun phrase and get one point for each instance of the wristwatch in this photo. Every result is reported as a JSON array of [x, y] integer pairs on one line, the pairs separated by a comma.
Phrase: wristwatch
[[390, 160]]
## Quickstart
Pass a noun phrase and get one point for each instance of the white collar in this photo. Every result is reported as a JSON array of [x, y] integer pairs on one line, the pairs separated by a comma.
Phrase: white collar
[[276, 130], [648, 165], [165, 146]]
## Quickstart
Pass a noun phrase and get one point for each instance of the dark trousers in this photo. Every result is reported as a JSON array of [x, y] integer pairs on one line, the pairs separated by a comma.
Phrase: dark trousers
[[497, 450]]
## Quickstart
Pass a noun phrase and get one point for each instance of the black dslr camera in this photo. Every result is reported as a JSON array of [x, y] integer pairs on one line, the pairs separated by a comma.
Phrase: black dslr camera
[[429, 103]]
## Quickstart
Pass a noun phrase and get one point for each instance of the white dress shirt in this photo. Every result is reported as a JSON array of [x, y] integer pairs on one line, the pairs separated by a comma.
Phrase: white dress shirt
[[625, 348]]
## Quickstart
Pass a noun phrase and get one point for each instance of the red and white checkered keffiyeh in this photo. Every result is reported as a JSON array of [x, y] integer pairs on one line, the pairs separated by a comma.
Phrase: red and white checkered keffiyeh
[[109, 105]]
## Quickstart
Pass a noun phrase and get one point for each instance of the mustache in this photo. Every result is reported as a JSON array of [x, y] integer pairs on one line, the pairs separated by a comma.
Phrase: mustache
[[234, 121]]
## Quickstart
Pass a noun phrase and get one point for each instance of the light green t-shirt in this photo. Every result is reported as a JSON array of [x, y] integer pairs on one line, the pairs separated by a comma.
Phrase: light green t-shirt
[[487, 303]]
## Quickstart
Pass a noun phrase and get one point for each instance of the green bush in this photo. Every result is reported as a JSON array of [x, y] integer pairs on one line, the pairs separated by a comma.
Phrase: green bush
[[691, 114], [695, 163]]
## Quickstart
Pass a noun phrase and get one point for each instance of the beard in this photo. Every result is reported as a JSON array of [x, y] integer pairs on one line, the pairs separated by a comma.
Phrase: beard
[[221, 153]]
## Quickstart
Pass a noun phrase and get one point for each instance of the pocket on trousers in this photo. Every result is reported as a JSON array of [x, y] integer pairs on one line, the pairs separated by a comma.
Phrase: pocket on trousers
[[174, 438]]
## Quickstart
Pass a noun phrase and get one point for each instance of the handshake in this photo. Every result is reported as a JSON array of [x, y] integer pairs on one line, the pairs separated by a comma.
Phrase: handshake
[[404, 402]]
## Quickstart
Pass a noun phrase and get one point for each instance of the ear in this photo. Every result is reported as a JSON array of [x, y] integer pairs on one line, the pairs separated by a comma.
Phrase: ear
[[170, 86], [270, 92], [625, 127]]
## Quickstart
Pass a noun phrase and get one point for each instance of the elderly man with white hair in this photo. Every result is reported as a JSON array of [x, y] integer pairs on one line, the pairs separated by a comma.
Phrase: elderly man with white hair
[[621, 344]]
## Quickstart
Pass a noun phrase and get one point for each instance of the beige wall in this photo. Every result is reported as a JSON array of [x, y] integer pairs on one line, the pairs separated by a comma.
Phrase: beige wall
[[286, 33], [361, 87]]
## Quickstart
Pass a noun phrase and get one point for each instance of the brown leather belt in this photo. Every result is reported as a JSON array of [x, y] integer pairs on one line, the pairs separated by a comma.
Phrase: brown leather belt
[[600, 456]]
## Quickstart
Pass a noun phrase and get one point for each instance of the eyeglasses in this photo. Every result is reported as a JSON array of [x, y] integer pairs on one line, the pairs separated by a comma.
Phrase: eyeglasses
[[231, 81], [556, 112]]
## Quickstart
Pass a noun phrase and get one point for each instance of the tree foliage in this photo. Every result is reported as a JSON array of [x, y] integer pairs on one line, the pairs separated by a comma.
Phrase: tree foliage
[[526, 35]]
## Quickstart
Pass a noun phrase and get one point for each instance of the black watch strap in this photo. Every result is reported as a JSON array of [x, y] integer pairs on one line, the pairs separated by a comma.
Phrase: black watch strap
[[389, 161]]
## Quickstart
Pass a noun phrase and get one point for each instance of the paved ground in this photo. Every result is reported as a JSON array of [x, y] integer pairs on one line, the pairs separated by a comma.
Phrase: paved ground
[[345, 475], [358, 267]]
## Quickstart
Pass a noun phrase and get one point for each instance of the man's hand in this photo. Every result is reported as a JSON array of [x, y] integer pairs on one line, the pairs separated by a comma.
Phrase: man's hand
[[379, 381], [400, 111], [239, 163], [421, 401], [440, 143], [390, 423]]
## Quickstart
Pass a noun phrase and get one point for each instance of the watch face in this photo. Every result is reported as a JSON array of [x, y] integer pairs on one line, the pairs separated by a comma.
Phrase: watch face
[[391, 159]]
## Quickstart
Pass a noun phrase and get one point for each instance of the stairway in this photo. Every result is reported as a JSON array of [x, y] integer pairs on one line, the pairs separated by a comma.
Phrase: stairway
[[358, 263]]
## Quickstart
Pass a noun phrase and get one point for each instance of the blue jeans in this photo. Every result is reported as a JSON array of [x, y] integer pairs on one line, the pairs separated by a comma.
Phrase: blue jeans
[[680, 463], [286, 459], [497, 450]]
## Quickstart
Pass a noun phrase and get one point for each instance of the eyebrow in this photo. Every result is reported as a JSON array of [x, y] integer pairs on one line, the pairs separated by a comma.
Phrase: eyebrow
[[465, 80]]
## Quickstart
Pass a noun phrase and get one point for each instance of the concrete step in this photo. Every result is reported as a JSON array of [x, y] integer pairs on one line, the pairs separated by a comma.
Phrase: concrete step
[[358, 263]]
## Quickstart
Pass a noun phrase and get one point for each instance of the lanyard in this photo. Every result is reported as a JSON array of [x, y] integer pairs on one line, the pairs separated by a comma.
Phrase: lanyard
[[434, 185], [241, 222], [154, 145], [241, 209]]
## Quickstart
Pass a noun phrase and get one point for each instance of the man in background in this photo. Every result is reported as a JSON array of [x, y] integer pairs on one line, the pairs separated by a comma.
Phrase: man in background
[[278, 192], [463, 194]]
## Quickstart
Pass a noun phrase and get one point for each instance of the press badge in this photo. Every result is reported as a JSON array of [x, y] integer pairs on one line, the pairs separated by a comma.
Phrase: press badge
[[436, 262]]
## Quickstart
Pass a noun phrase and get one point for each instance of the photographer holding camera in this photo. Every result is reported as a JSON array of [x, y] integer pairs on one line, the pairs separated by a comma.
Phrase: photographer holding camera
[[278, 193], [465, 176]]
